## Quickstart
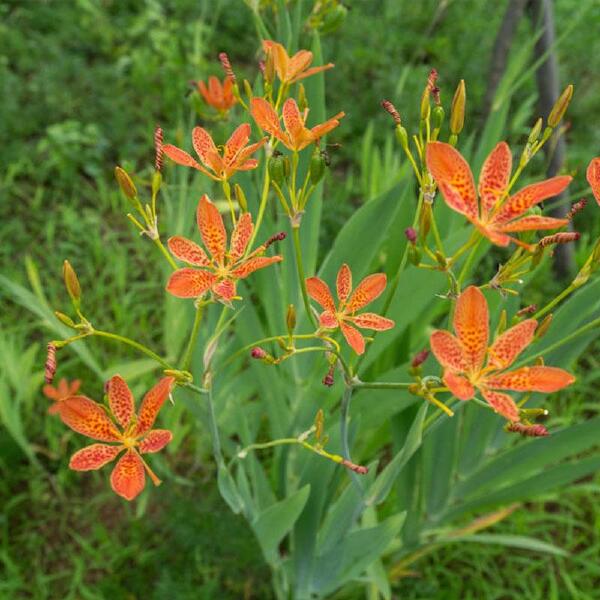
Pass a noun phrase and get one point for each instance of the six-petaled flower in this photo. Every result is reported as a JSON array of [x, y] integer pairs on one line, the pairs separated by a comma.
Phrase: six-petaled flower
[[60, 393], [216, 94], [350, 301], [126, 432], [496, 215], [219, 271], [296, 135], [290, 69], [234, 157], [463, 357]]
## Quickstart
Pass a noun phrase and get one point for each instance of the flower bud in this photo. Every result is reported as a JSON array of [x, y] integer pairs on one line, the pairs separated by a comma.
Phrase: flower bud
[[125, 183], [425, 220], [240, 197], [457, 113], [411, 234], [290, 318], [319, 419], [438, 117], [425, 104], [328, 380], [64, 319], [333, 19], [317, 166], [156, 182], [248, 90], [402, 137], [302, 101], [501, 328], [72, 283], [543, 327], [560, 107], [534, 135], [414, 255], [419, 358]]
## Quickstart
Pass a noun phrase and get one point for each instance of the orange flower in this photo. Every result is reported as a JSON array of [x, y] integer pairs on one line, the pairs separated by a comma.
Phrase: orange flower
[[216, 94], [61, 392], [366, 291], [235, 157], [463, 356], [290, 69], [593, 177], [220, 272], [135, 436], [296, 135], [494, 217]]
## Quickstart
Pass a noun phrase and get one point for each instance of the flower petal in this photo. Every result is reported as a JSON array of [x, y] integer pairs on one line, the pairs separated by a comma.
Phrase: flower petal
[[241, 236], [494, 177], [87, 417], [155, 440], [253, 264], [511, 343], [280, 57], [225, 289], [370, 288], [328, 320], [318, 131], [503, 404], [181, 157], [471, 326], [532, 379], [312, 71], [294, 124], [460, 386], [319, 291], [188, 251], [120, 400], [372, 321], [93, 457], [298, 63], [152, 403], [266, 118], [343, 283], [128, 478], [454, 178], [190, 283], [206, 149], [212, 228], [496, 237], [448, 350], [593, 177], [239, 138], [533, 222], [353, 337]]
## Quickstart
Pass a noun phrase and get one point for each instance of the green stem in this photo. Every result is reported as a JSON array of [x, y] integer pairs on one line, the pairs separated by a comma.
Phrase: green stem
[[469, 261], [123, 340], [554, 302], [165, 253], [344, 417], [301, 276], [187, 357], [381, 385], [262, 206]]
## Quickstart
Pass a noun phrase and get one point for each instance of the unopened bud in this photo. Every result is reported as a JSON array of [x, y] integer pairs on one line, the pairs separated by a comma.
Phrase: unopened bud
[[438, 117], [543, 327], [224, 59], [64, 319], [269, 68], [50, 366], [419, 358], [534, 135], [248, 90], [457, 113], [577, 207], [528, 430], [391, 109], [402, 137], [411, 234], [258, 353], [290, 318], [560, 107], [425, 220], [501, 328], [72, 283], [240, 197], [125, 183], [158, 148], [425, 105], [317, 166], [319, 419], [328, 380], [302, 101], [414, 255]]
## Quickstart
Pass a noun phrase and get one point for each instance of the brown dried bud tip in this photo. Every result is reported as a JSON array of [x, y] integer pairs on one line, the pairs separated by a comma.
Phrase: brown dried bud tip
[[227, 66], [158, 148], [528, 310], [262, 66], [258, 353], [356, 468], [419, 358], [328, 379], [536, 430], [50, 367], [431, 79], [559, 238], [435, 92], [278, 237], [411, 234], [390, 108], [577, 207]]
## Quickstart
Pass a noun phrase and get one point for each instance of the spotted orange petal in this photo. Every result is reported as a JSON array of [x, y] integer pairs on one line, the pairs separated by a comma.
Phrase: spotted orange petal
[[471, 326], [312, 71], [266, 117], [280, 58], [494, 177], [530, 196], [190, 283], [128, 478], [188, 251], [511, 343], [328, 320], [155, 440], [241, 236], [448, 350], [495, 236], [253, 264], [460, 386], [368, 290], [225, 290], [239, 138], [120, 400], [593, 177], [205, 148], [372, 321], [354, 338], [532, 379], [503, 404], [152, 403], [211, 228], [294, 124], [318, 131], [319, 291], [534, 222], [87, 417], [343, 283], [453, 177], [298, 63], [183, 158], [93, 457]]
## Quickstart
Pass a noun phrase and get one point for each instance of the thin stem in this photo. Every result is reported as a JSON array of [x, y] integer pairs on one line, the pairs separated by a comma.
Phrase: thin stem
[[187, 357], [344, 417], [262, 206], [227, 190], [301, 276], [381, 385], [124, 340], [554, 302], [469, 261], [162, 248]]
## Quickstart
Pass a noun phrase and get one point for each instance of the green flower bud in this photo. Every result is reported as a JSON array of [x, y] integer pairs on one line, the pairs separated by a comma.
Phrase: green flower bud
[[72, 283], [560, 107], [317, 166], [125, 183], [457, 113]]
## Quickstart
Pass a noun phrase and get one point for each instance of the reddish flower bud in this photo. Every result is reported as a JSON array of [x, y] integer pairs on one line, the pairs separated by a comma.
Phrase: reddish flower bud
[[227, 66], [328, 379], [419, 358], [50, 366], [258, 353], [158, 148], [391, 109], [559, 238], [411, 234]]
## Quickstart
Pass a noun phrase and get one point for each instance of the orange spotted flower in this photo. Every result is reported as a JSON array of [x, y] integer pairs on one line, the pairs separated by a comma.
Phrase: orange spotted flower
[[463, 356], [61, 392], [135, 435], [296, 135], [366, 291], [593, 177], [235, 156], [216, 94], [494, 215], [290, 69], [223, 268]]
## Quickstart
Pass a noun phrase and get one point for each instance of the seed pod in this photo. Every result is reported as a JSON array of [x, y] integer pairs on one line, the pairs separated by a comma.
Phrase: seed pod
[[72, 283], [277, 168], [317, 166], [560, 107], [457, 113], [438, 117], [125, 183]]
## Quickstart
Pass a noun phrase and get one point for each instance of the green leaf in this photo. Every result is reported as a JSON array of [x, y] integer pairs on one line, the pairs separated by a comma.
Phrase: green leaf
[[512, 541]]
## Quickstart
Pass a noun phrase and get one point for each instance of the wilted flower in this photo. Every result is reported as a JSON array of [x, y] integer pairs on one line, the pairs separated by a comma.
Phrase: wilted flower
[[290, 69], [216, 94]]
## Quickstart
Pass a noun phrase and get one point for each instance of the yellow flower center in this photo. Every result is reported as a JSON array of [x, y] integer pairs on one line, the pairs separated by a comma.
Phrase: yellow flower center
[[129, 442]]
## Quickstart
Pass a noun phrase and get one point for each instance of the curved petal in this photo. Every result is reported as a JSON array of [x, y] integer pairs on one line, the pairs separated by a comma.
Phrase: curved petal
[[494, 177], [212, 228], [503, 404], [93, 457], [181, 157], [533, 222], [454, 178], [328, 320], [266, 117], [448, 350], [354, 338], [319, 291], [239, 138], [318, 131], [299, 63], [294, 123], [471, 326], [343, 283], [225, 290], [253, 264], [188, 251], [280, 57], [460, 386], [496, 237], [155, 440], [206, 149], [312, 71], [51, 392], [152, 403], [593, 177], [532, 379], [241, 236], [190, 283], [369, 289], [88, 418], [120, 400], [372, 321], [242, 157], [128, 478], [511, 343]]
